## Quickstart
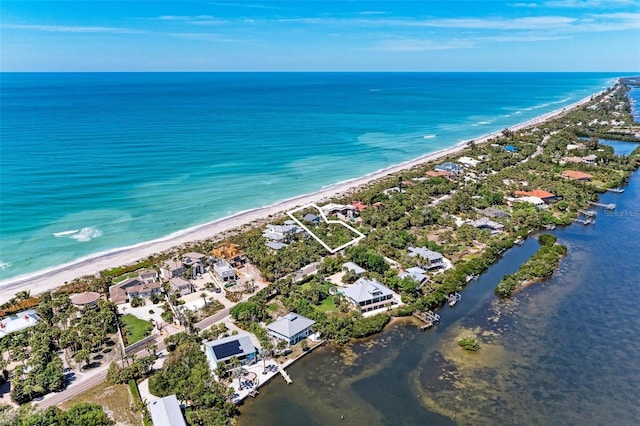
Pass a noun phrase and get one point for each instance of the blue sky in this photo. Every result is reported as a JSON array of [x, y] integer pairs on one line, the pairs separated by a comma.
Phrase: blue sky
[[472, 35]]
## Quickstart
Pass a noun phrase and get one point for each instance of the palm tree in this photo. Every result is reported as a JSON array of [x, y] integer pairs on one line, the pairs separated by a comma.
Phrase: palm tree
[[264, 354]]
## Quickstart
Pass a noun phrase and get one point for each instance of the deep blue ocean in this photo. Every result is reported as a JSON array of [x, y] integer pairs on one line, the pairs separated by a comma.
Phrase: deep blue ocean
[[90, 162]]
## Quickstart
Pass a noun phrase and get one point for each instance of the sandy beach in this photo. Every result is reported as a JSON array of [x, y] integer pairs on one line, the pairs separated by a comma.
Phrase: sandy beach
[[52, 278]]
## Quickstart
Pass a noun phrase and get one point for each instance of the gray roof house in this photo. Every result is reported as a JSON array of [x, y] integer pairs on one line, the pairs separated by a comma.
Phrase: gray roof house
[[222, 350], [493, 212], [224, 270], [356, 269], [448, 167], [416, 273], [19, 321], [166, 412], [275, 245], [180, 286], [311, 218], [429, 259], [486, 223], [291, 328], [368, 295]]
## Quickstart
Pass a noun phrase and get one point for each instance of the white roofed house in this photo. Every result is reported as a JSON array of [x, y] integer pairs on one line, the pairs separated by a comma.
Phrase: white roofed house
[[224, 270], [428, 259], [180, 286], [468, 161], [368, 295], [166, 412], [342, 211], [416, 273], [292, 328], [19, 321], [222, 350]]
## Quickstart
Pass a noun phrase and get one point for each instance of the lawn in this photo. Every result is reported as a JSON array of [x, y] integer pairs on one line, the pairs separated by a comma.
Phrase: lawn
[[327, 306], [114, 399], [135, 328]]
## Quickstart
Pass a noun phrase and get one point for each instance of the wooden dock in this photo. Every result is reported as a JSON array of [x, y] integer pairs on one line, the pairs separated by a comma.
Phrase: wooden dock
[[588, 213], [285, 375], [428, 318], [585, 222], [609, 206]]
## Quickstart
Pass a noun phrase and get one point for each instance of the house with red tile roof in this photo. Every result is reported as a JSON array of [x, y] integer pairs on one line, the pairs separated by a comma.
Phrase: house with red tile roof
[[545, 196]]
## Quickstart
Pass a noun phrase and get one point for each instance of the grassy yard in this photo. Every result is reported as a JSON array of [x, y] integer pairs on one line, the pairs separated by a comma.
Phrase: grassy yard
[[327, 306], [115, 400], [135, 328]]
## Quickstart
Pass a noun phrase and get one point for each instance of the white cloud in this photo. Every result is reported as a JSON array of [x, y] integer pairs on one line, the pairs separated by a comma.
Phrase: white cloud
[[73, 29], [585, 4], [531, 5], [419, 45]]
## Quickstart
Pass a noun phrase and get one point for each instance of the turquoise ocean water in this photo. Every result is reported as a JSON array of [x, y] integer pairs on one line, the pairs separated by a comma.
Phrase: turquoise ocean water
[[92, 162]]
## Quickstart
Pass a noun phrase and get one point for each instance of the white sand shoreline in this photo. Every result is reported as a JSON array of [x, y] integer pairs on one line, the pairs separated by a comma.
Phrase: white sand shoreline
[[51, 278]]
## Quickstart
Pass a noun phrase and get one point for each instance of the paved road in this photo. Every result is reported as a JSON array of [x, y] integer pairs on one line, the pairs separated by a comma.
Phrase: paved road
[[73, 389], [212, 319]]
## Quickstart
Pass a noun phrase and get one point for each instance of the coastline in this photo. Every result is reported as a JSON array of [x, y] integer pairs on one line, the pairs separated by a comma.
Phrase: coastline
[[51, 278]]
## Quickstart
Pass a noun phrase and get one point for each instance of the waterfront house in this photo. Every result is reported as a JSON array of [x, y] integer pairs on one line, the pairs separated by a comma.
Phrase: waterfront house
[[126, 290], [368, 295], [545, 196], [356, 269], [224, 270], [392, 190], [166, 412], [449, 167], [85, 300], [19, 321], [220, 351], [531, 200], [429, 259], [291, 328], [486, 223], [281, 233], [577, 175], [416, 273], [180, 286], [172, 268]]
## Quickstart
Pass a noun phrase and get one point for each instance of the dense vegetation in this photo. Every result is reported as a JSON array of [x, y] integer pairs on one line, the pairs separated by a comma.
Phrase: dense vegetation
[[61, 328], [187, 374], [469, 343], [81, 414], [540, 265]]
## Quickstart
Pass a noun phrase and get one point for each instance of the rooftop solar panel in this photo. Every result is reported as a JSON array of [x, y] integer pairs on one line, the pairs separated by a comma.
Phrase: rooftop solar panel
[[226, 350]]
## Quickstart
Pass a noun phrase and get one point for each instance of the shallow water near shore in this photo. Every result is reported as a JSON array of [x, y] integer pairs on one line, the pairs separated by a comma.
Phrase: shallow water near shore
[[563, 351]]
